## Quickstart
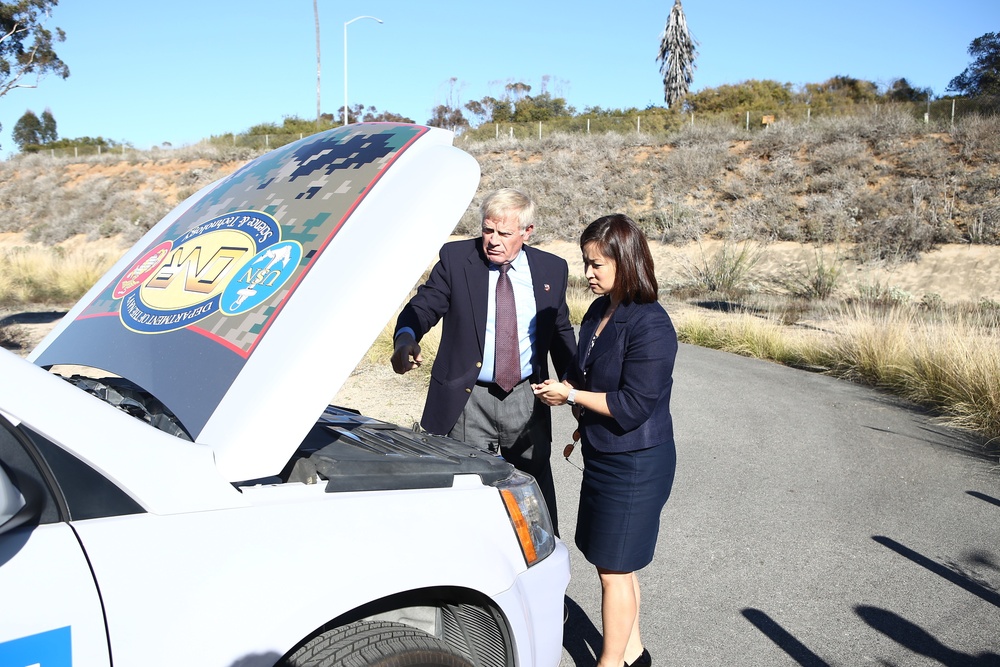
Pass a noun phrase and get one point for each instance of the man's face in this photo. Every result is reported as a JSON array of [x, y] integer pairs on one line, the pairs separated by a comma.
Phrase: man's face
[[503, 238]]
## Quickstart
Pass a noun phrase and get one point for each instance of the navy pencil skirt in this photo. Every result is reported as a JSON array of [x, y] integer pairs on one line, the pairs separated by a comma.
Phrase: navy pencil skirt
[[621, 497]]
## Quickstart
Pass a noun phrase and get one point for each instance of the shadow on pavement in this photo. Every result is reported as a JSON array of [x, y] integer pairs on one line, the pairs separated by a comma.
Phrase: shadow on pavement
[[787, 642], [41, 317], [979, 590], [921, 642], [581, 639], [984, 497]]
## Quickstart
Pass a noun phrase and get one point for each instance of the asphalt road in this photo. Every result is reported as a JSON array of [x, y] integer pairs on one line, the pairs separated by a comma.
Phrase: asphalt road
[[812, 522]]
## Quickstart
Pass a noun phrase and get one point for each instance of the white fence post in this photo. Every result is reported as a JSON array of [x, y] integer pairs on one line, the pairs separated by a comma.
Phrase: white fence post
[[638, 125], [539, 130], [588, 126], [748, 121]]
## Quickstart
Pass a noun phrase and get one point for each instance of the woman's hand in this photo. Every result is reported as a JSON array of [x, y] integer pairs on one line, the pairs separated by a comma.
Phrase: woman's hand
[[551, 392]]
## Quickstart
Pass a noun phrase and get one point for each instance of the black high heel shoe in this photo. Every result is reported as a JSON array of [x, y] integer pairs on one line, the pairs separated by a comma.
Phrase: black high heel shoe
[[644, 660]]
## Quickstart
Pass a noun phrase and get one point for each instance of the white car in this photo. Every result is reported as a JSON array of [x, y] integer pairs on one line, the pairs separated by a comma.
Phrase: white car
[[175, 490]]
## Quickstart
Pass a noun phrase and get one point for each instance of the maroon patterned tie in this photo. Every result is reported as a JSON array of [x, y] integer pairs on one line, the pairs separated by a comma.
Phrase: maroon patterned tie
[[507, 362]]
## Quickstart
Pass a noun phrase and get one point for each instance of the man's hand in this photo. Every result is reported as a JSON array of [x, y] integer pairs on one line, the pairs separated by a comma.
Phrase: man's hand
[[406, 355]]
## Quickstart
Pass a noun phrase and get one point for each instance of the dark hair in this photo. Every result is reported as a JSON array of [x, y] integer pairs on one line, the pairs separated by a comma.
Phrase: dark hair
[[621, 240]]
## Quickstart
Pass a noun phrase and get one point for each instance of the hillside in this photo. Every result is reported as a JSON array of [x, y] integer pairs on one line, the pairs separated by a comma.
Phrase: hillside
[[884, 189], [901, 220]]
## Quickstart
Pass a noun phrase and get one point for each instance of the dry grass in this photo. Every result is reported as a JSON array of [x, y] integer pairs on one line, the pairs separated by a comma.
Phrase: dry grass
[[48, 275], [948, 362]]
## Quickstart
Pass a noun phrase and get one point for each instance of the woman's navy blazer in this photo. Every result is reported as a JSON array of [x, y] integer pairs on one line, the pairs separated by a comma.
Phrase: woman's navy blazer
[[632, 362]]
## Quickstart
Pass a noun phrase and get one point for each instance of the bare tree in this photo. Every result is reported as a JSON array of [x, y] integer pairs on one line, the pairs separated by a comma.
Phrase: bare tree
[[677, 54]]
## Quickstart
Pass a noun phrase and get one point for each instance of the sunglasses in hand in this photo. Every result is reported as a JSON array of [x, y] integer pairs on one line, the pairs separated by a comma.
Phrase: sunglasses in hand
[[568, 449]]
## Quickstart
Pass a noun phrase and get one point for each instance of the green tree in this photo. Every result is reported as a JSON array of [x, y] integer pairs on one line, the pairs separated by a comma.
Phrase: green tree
[[85, 142], [900, 90], [766, 95], [517, 106], [491, 110], [449, 115], [27, 131], [676, 56], [448, 118], [26, 45], [373, 115], [982, 77], [48, 133], [841, 91], [358, 113]]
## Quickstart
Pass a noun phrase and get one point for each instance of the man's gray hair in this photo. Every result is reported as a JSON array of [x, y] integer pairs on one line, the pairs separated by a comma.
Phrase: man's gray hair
[[498, 204]]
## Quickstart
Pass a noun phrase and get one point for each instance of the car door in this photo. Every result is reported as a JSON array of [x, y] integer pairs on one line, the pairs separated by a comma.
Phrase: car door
[[51, 611]]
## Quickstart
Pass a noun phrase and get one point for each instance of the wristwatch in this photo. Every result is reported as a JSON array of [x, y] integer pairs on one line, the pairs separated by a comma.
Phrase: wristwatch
[[571, 399]]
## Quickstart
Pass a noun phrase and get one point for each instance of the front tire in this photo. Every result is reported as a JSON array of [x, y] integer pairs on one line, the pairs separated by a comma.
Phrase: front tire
[[376, 644]]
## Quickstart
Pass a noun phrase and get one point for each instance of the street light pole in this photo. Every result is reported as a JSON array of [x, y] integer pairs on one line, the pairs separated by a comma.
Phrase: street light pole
[[316, 15], [356, 18]]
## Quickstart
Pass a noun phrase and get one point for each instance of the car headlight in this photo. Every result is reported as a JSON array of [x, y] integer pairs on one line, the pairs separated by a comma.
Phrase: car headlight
[[528, 515]]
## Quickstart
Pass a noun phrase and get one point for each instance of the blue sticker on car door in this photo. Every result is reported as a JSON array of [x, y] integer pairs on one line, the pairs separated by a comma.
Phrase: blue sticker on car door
[[46, 649]]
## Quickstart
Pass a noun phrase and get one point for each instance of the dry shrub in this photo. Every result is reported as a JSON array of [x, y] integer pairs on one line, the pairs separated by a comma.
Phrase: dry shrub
[[828, 218], [771, 217], [845, 154], [13, 337], [703, 133], [672, 222], [923, 159], [978, 137], [728, 271], [817, 279], [984, 226], [687, 167], [781, 138]]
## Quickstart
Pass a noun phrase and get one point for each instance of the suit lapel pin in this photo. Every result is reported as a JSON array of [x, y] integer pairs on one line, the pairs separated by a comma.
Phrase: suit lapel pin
[[546, 287]]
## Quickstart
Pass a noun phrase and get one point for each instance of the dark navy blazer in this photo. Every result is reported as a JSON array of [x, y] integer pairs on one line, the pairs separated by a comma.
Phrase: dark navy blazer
[[632, 362], [458, 291]]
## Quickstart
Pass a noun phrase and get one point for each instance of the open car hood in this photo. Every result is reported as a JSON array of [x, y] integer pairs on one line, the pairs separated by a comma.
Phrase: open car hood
[[245, 309]]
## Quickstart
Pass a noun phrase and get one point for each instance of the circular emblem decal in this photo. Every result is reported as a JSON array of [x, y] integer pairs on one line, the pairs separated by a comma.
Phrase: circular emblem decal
[[265, 274], [142, 269], [237, 259]]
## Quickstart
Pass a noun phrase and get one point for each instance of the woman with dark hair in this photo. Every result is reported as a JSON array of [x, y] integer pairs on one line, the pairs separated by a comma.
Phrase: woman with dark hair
[[619, 387]]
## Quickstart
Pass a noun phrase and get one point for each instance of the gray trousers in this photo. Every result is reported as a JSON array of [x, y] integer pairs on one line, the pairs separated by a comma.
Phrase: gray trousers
[[514, 424]]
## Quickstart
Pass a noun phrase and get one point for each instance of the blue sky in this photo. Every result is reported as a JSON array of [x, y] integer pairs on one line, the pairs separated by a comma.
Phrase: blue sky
[[175, 72]]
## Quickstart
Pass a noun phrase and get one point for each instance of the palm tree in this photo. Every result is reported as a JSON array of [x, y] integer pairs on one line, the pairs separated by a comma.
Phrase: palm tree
[[677, 54]]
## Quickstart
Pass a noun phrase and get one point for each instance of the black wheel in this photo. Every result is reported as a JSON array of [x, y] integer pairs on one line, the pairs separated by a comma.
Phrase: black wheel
[[376, 644]]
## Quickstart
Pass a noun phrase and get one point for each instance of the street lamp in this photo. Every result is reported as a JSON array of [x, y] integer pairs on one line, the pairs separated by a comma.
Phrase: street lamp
[[316, 16], [356, 18]]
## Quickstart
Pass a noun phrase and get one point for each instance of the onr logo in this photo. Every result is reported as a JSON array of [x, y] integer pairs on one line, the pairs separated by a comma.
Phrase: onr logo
[[198, 270]]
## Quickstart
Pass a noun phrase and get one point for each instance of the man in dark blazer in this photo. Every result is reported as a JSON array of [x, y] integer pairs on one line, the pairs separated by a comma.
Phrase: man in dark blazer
[[465, 399]]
